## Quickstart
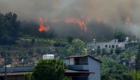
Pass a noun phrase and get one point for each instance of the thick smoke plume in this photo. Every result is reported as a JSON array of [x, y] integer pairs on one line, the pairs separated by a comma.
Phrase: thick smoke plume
[[105, 16]]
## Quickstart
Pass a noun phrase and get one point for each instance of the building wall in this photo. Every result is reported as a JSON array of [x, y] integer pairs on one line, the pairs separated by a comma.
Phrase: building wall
[[13, 77], [83, 61], [94, 66], [71, 61], [107, 45]]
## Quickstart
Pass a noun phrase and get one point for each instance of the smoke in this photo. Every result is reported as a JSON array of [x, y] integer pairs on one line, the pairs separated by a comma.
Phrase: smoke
[[103, 14]]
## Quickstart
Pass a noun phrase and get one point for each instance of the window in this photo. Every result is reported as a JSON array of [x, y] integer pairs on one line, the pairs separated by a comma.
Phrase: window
[[109, 46], [77, 61], [112, 46], [106, 46], [116, 46], [98, 47]]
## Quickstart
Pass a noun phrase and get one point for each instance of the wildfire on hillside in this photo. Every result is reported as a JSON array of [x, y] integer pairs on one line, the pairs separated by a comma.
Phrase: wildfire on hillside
[[82, 22], [42, 27], [128, 21]]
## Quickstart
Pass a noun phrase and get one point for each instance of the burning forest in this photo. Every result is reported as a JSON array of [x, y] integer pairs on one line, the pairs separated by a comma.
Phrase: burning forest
[[78, 18]]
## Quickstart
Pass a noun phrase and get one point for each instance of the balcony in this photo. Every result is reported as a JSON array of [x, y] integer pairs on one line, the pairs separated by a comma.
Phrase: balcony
[[78, 67]]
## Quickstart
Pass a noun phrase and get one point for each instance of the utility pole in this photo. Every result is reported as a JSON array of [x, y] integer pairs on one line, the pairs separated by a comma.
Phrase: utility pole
[[5, 68]]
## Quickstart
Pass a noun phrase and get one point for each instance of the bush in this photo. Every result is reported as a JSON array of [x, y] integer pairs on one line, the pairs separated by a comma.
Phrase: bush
[[118, 50]]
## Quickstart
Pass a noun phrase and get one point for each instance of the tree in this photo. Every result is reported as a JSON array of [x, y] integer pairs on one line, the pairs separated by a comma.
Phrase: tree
[[104, 51], [78, 46], [69, 39], [28, 76], [50, 69], [38, 50], [118, 50], [114, 56], [138, 59], [30, 52], [108, 62], [98, 50], [10, 28], [120, 36], [104, 40], [33, 41], [111, 51], [117, 72], [134, 76]]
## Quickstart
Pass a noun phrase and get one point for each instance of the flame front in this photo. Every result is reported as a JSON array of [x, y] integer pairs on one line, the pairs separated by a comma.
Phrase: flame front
[[82, 23], [98, 20], [41, 28], [128, 21]]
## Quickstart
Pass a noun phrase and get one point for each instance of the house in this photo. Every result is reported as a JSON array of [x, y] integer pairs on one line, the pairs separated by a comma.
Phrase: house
[[79, 68], [84, 63], [111, 45]]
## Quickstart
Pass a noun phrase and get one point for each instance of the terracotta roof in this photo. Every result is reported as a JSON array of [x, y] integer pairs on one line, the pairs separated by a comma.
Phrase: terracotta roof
[[83, 56], [22, 73]]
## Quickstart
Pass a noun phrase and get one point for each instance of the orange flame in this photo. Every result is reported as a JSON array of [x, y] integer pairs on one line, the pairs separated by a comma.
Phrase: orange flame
[[98, 20], [82, 24], [128, 21], [41, 28]]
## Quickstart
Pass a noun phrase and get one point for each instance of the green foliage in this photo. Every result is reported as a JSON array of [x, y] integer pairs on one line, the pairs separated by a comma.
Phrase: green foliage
[[111, 50], [59, 44], [10, 28], [120, 36], [98, 50], [27, 76], [138, 59], [69, 39], [33, 41], [104, 40], [108, 62], [114, 56], [78, 45], [104, 51], [38, 50], [118, 50], [117, 72], [30, 52], [51, 69], [134, 76]]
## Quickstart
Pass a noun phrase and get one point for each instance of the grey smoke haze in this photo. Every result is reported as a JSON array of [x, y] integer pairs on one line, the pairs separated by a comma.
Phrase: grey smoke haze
[[113, 12]]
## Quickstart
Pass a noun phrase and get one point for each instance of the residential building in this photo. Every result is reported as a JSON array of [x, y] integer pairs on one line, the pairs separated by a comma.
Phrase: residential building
[[84, 63], [79, 68], [111, 44], [48, 56]]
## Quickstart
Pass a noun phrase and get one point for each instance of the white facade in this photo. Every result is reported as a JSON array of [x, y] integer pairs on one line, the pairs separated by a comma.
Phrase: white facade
[[108, 45], [48, 56]]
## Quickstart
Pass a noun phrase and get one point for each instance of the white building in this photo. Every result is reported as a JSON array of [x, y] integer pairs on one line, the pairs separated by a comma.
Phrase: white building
[[48, 56], [110, 45], [88, 64]]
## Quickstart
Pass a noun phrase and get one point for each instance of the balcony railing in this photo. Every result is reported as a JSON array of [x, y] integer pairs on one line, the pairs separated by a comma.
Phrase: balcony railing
[[78, 67]]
